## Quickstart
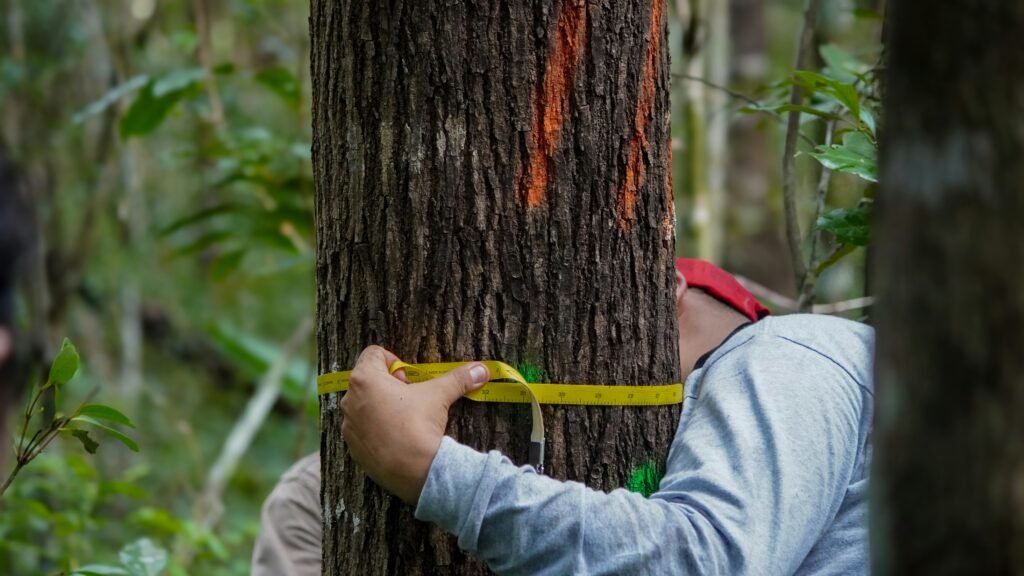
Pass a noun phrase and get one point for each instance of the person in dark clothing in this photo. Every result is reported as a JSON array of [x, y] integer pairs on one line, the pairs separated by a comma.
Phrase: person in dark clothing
[[13, 245]]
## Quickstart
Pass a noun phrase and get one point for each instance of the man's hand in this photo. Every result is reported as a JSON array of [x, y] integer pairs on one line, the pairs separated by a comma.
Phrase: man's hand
[[392, 428]]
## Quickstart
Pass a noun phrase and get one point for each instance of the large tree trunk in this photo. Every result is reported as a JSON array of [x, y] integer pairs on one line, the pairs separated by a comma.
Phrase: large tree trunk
[[492, 183], [948, 485]]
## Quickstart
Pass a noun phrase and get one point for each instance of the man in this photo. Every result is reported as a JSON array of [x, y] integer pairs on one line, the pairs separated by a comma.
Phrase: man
[[767, 473]]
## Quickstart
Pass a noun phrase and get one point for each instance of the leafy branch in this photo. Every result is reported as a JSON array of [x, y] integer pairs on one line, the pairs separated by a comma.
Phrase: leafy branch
[[841, 96], [99, 416]]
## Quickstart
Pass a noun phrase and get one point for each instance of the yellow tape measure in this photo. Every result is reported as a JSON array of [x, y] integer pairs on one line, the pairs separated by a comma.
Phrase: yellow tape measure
[[507, 385]]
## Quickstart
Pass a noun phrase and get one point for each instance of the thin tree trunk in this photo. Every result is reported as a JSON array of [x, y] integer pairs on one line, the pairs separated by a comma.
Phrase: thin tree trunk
[[492, 182], [948, 482]]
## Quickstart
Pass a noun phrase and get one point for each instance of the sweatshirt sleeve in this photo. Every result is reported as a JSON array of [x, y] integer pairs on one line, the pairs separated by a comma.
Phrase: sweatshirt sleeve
[[757, 470]]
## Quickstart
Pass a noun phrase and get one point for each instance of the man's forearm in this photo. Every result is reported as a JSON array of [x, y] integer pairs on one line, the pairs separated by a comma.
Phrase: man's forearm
[[569, 529]]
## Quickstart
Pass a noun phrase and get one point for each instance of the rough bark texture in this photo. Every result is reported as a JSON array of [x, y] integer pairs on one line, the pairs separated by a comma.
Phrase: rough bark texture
[[948, 486], [492, 183]]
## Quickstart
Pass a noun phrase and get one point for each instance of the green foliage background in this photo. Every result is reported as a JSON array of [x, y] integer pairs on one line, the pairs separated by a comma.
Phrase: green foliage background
[[168, 172]]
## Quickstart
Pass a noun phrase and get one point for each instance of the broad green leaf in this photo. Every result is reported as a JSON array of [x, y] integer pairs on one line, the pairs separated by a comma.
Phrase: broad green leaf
[[849, 225], [104, 412], [177, 81], [121, 436], [847, 94], [204, 241], [101, 570], [88, 443], [200, 216], [842, 65], [156, 100], [283, 83], [65, 365], [807, 110], [147, 112], [856, 155], [844, 92], [811, 80], [143, 558], [255, 355], [110, 98], [867, 118]]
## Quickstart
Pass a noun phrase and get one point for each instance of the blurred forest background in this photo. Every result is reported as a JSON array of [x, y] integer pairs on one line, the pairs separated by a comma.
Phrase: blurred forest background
[[163, 149]]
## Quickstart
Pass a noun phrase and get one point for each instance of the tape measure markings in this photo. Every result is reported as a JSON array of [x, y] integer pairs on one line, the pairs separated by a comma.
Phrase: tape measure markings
[[514, 392], [507, 385]]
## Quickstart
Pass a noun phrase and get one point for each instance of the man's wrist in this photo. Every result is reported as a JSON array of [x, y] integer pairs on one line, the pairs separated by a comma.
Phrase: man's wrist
[[457, 491], [417, 469]]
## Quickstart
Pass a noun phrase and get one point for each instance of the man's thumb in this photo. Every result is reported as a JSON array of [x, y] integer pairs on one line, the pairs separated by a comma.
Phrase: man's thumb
[[462, 380]]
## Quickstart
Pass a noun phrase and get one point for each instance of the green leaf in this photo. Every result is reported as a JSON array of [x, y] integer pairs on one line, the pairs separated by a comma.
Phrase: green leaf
[[147, 112], [110, 98], [178, 81], [104, 412], [844, 92], [807, 110], [65, 365], [867, 118], [856, 155], [143, 558], [100, 570], [156, 100], [121, 436], [254, 356], [281, 82], [849, 225], [203, 242], [200, 216], [842, 65], [812, 80], [88, 443], [849, 97]]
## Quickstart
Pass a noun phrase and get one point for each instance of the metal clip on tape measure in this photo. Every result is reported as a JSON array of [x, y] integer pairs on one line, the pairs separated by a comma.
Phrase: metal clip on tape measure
[[508, 385]]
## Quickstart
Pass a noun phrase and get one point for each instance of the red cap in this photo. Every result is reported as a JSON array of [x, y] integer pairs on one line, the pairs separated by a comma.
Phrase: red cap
[[720, 284]]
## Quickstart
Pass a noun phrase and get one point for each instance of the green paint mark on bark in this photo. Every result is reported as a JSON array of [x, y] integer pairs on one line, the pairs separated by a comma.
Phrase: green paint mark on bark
[[644, 479], [532, 372]]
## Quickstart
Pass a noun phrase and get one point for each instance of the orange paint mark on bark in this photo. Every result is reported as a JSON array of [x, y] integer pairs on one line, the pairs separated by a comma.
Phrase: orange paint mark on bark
[[551, 100], [636, 171]]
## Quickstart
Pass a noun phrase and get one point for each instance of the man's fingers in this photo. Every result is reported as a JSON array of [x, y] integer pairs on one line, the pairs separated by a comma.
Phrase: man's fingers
[[460, 381], [376, 357], [373, 363]]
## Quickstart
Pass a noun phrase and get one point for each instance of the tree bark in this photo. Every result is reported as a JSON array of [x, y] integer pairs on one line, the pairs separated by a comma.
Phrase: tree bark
[[493, 182], [948, 482]]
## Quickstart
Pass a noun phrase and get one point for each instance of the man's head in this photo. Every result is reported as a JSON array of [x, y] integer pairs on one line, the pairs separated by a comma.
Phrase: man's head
[[710, 304]]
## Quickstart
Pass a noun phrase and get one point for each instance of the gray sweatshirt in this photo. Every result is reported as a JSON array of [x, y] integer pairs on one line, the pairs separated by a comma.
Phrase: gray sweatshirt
[[767, 474]]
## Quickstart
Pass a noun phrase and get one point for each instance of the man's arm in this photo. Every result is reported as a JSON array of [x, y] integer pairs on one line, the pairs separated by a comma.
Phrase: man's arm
[[290, 524], [758, 469]]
